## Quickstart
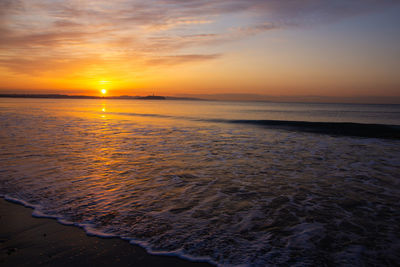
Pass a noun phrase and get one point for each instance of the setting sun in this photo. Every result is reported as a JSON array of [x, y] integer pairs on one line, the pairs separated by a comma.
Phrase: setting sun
[[229, 132]]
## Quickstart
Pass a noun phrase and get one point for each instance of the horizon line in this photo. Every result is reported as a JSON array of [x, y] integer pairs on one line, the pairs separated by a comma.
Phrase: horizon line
[[392, 100]]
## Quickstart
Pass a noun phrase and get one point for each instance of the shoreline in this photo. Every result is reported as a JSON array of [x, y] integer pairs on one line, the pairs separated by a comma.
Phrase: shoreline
[[31, 241]]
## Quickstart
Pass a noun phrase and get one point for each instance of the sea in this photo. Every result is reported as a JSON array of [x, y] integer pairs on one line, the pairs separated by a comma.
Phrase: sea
[[230, 183]]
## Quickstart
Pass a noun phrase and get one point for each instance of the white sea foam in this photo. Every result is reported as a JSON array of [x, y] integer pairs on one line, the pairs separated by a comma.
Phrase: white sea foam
[[229, 194]]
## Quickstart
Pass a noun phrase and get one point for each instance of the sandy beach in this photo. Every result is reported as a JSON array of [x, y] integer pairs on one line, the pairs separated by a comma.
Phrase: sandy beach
[[30, 241]]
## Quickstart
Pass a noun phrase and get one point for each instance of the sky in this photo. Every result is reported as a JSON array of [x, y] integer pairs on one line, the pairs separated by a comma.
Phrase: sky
[[292, 48]]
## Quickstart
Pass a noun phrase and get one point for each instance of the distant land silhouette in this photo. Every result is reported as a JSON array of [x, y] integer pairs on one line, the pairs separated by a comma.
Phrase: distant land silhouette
[[227, 97], [149, 97]]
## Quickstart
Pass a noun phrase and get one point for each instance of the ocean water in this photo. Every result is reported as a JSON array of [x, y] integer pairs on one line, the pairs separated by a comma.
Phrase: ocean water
[[232, 183]]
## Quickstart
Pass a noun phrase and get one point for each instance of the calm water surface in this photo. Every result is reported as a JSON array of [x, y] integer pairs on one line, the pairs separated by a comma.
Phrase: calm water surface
[[177, 177]]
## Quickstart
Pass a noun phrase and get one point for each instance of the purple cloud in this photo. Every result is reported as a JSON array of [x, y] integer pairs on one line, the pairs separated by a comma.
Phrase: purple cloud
[[154, 30]]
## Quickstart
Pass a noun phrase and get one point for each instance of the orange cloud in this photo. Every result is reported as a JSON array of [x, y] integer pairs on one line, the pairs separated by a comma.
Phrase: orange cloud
[[130, 41]]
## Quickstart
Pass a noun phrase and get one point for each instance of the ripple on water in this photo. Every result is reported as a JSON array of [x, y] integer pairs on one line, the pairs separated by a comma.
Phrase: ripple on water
[[235, 195]]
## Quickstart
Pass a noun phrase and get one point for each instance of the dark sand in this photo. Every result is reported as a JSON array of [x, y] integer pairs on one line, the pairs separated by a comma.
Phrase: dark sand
[[29, 241]]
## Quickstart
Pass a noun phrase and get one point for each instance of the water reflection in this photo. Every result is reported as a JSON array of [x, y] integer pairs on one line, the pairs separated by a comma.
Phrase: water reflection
[[234, 193], [103, 109]]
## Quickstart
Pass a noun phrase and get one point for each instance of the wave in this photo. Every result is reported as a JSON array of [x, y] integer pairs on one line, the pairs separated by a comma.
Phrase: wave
[[333, 128], [226, 194], [90, 230], [384, 131]]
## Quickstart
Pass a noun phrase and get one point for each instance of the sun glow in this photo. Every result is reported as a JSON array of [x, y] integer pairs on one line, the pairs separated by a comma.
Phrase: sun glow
[[103, 91]]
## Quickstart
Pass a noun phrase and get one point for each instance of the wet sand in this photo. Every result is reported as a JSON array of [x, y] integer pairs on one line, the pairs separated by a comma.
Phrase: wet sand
[[30, 241]]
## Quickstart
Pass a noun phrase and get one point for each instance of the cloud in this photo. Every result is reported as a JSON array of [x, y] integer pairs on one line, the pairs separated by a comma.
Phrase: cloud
[[170, 43], [46, 39], [181, 59], [152, 31], [67, 24], [318, 11]]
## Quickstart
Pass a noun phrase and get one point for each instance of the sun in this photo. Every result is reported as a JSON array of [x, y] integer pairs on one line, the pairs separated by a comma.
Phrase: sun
[[103, 91]]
